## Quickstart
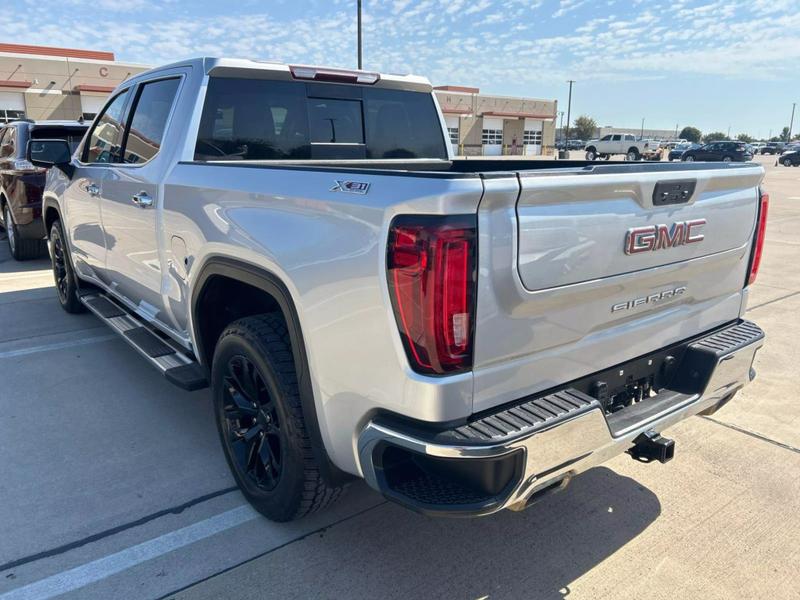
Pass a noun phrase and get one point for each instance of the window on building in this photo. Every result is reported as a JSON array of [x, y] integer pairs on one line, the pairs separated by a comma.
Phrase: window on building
[[492, 137], [532, 138], [453, 133], [6, 116]]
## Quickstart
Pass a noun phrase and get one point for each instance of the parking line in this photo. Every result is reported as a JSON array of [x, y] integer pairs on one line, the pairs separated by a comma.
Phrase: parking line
[[91, 572], [56, 346]]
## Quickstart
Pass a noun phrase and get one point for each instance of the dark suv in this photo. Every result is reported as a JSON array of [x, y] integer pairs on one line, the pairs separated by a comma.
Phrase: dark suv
[[720, 151], [772, 148], [21, 183]]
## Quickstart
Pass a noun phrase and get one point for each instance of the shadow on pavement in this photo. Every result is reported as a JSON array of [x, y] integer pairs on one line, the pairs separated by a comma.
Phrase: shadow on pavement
[[390, 552]]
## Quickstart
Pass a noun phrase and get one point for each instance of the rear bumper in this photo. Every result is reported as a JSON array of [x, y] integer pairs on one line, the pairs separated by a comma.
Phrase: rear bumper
[[506, 458]]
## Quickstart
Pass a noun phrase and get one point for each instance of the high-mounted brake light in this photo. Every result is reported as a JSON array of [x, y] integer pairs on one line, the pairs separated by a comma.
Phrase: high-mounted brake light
[[758, 243], [333, 75], [431, 265]]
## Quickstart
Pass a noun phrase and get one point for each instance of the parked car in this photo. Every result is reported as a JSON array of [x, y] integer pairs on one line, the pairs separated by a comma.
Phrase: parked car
[[757, 147], [772, 148], [677, 151], [725, 151], [790, 159], [576, 144], [618, 143], [21, 183], [301, 240]]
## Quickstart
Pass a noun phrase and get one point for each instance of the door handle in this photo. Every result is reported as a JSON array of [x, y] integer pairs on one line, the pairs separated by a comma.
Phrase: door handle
[[142, 200], [93, 189]]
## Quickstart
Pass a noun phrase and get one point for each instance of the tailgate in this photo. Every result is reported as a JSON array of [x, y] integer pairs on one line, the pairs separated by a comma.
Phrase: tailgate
[[584, 269]]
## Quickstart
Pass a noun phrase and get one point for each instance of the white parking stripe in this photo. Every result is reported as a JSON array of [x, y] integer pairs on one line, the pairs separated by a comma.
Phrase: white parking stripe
[[56, 346], [73, 579]]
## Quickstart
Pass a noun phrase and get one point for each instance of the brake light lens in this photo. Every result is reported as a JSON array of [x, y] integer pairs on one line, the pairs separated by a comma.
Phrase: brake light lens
[[758, 243], [333, 75], [431, 264]]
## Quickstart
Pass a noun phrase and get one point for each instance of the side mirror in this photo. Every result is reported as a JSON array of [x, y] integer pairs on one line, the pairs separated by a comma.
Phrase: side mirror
[[49, 153]]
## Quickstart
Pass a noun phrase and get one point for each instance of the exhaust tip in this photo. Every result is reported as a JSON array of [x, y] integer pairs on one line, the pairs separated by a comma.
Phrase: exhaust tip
[[651, 446]]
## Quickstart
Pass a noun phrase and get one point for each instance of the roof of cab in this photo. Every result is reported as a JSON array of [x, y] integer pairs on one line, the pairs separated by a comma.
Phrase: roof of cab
[[270, 69]]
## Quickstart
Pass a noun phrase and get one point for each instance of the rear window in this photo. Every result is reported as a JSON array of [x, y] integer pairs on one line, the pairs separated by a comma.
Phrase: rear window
[[72, 135], [245, 119]]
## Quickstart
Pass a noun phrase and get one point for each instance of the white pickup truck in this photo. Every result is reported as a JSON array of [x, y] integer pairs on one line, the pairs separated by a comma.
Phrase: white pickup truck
[[465, 335], [623, 144]]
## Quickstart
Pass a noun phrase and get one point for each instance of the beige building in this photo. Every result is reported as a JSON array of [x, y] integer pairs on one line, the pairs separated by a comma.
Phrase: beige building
[[480, 124], [38, 82]]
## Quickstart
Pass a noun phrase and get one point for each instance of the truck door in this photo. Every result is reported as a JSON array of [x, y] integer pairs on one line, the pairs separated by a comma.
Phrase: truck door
[[616, 145], [131, 196], [82, 195]]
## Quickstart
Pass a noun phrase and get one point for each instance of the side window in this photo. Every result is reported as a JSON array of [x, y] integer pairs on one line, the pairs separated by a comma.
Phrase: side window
[[630, 138], [104, 139], [7, 147], [150, 111], [616, 138], [606, 138]]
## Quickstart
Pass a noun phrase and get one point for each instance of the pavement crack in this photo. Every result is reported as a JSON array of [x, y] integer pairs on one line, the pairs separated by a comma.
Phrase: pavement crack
[[275, 549], [753, 434], [175, 510], [771, 301]]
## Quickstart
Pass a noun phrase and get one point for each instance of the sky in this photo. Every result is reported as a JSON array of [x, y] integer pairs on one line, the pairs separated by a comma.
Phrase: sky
[[712, 64]]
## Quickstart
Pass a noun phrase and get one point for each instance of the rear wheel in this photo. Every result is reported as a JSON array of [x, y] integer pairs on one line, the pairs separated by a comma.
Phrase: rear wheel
[[591, 154], [727, 159], [20, 248], [63, 274], [688, 158], [260, 420], [632, 154]]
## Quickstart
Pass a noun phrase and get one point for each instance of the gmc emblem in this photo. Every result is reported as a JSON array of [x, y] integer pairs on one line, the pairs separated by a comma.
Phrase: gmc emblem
[[660, 237]]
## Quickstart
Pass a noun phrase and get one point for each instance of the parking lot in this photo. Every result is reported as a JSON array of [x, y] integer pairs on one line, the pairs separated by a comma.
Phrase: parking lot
[[113, 484]]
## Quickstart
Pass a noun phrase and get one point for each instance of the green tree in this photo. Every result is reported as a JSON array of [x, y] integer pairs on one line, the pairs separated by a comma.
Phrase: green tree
[[784, 137], [583, 128], [743, 137], [690, 134], [715, 136]]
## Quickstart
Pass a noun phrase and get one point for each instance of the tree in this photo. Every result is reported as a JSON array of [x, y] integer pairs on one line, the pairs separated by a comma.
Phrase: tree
[[690, 134], [784, 135], [715, 136], [743, 137], [583, 128]]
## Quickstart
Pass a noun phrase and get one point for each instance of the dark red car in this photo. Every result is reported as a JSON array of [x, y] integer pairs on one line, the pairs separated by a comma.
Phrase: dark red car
[[21, 183]]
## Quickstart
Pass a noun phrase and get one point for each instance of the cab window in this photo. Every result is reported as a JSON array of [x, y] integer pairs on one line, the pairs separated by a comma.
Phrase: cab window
[[103, 143], [616, 138], [605, 138], [150, 111]]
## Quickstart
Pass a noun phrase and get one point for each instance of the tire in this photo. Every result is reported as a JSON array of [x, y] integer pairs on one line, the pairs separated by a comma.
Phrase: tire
[[63, 273], [632, 154], [20, 248], [591, 154], [727, 159], [260, 420], [689, 158]]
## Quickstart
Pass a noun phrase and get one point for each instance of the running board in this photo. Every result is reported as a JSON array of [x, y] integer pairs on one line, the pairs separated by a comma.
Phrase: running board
[[172, 361]]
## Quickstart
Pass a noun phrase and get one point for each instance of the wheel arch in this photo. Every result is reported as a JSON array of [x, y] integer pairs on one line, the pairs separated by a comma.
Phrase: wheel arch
[[227, 270]]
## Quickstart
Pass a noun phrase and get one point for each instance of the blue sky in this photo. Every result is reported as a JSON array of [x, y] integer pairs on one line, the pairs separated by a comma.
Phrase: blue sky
[[708, 63]]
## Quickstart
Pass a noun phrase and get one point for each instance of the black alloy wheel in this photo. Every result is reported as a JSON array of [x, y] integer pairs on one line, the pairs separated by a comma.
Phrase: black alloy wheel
[[252, 424], [59, 263]]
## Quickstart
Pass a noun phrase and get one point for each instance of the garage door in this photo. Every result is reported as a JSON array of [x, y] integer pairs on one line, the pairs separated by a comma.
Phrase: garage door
[[492, 136], [91, 105], [12, 106], [532, 137], [452, 123]]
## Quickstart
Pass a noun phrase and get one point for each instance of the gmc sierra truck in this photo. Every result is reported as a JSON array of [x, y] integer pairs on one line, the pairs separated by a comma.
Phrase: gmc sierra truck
[[465, 335], [624, 144]]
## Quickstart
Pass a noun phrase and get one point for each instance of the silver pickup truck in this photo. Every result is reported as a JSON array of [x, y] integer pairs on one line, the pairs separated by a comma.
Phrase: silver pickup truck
[[465, 335]]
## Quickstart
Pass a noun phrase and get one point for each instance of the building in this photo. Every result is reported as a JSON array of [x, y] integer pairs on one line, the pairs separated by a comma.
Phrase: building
[[39, 82], [481, 124]]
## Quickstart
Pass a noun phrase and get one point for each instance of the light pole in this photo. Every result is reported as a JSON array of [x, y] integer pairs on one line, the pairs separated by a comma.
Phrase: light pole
[[561, 123], [569, 111], [359, 35], [676, 131], [791, 122], [641, 135]]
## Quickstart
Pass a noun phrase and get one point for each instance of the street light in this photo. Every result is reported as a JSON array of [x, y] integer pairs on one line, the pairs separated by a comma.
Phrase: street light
[[641, 135], [359, 35], [791, 123], [561, 123], [569, 111]]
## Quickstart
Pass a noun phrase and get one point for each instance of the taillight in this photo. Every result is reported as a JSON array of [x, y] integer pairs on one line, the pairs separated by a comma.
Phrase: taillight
[[431, 264], [758, 243]]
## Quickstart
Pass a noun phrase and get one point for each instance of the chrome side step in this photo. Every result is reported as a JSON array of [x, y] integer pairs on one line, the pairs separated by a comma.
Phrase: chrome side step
[[171, 360]]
